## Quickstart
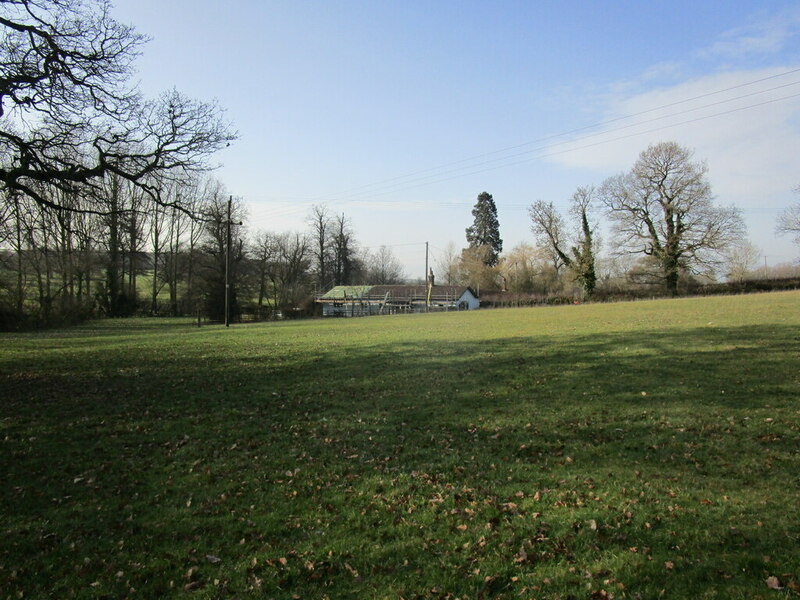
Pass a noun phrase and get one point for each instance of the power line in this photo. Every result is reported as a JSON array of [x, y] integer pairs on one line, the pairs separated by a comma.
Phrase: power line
[[502, 162], [592, 145], [391, 189], [381, 183], [393, 245]]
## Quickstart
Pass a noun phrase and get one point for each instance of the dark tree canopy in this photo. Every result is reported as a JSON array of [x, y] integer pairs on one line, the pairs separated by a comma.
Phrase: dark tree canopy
[[70, 116], [485, 229]]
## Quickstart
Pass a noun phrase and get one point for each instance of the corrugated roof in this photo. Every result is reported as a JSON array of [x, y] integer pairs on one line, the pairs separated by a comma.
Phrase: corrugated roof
[[340, 292], [404, 293], [410, 292]]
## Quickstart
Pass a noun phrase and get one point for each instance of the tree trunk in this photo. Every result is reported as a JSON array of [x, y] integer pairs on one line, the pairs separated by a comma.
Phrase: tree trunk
[[671, 275], [113, 286], [20, 272], [154, 290]]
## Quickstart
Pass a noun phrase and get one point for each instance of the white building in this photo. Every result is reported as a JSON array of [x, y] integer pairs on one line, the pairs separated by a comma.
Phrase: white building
[[364, 300]]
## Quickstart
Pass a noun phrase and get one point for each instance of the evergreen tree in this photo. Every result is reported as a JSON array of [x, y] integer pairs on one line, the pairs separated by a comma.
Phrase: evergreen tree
[[485, 230]]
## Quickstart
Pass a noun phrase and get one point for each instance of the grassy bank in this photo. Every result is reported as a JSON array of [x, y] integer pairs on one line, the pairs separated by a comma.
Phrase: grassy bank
[[635, 450]]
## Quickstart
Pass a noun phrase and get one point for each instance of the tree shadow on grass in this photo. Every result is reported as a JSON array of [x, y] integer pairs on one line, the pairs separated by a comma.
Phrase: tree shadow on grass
[[540, 459]]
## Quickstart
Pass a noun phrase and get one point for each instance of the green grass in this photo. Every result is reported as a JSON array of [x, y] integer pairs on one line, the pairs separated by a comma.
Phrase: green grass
[[637, 450]]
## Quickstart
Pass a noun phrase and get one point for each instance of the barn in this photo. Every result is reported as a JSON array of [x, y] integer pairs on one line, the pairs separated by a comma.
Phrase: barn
[[365, 300]]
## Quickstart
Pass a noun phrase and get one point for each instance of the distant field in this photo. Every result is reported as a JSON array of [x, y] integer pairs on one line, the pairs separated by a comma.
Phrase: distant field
[[634, 450]]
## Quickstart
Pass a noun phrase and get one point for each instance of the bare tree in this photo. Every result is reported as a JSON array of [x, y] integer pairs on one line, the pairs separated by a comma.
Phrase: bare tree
[[199, 192], [789, 220], [550, 230], [742, 259], [174, 259], [344, 251], [321, 230], [383, 267], [524, 268], [135, 219], [215, 253], [289, 269], [114, 300], [158, 241], [576, 252], [12, 227], [71, 116], [447, 264], [474, 269], [663, 208], [264, 252]]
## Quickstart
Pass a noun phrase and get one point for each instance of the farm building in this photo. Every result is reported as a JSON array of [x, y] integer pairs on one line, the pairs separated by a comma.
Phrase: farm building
[[364, 300]]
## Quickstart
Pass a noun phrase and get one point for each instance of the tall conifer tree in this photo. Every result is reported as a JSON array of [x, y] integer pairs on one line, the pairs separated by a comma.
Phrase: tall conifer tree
[[485, 229]]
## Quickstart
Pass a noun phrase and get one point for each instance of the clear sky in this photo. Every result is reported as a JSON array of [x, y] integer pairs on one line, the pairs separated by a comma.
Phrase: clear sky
[[400, 113]]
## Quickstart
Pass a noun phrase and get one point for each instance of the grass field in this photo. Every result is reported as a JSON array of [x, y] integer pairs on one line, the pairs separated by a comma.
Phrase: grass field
[[636, 450]]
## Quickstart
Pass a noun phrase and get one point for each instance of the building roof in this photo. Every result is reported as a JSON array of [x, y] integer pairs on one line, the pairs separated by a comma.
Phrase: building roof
[[409, 292], [350, 292], [406, 293]]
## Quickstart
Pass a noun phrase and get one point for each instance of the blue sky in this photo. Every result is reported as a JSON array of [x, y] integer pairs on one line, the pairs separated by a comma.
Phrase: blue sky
[[400, 113]]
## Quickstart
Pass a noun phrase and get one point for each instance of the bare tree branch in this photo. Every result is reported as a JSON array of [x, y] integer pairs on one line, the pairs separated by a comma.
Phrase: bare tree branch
[[69, 115], [789, 220], [663, 208]]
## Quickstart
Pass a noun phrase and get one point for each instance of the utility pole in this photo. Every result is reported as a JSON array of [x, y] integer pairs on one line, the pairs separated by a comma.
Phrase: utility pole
[[428, 282], [228, 224], [228, 264], [426, 263]]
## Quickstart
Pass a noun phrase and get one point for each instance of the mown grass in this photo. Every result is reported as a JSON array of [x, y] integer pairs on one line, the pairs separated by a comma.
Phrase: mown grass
[[637, 450]]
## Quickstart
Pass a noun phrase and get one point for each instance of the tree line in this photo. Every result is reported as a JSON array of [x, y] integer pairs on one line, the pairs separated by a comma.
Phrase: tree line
[[119, 253], [666, 233], [107, 206], [146, 258], [106, 202]]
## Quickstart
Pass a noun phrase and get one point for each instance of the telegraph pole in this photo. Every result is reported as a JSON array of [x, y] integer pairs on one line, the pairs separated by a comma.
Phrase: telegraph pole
[[426, 262], [428, 282], [228, 264], [228, 224]]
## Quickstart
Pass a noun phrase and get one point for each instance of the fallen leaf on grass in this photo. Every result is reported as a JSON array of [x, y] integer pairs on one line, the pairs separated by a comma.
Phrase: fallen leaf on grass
[[353, 572], [774, 583]]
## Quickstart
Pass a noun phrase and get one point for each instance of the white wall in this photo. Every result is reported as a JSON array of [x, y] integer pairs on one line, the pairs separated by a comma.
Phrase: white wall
[[472, 301]]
